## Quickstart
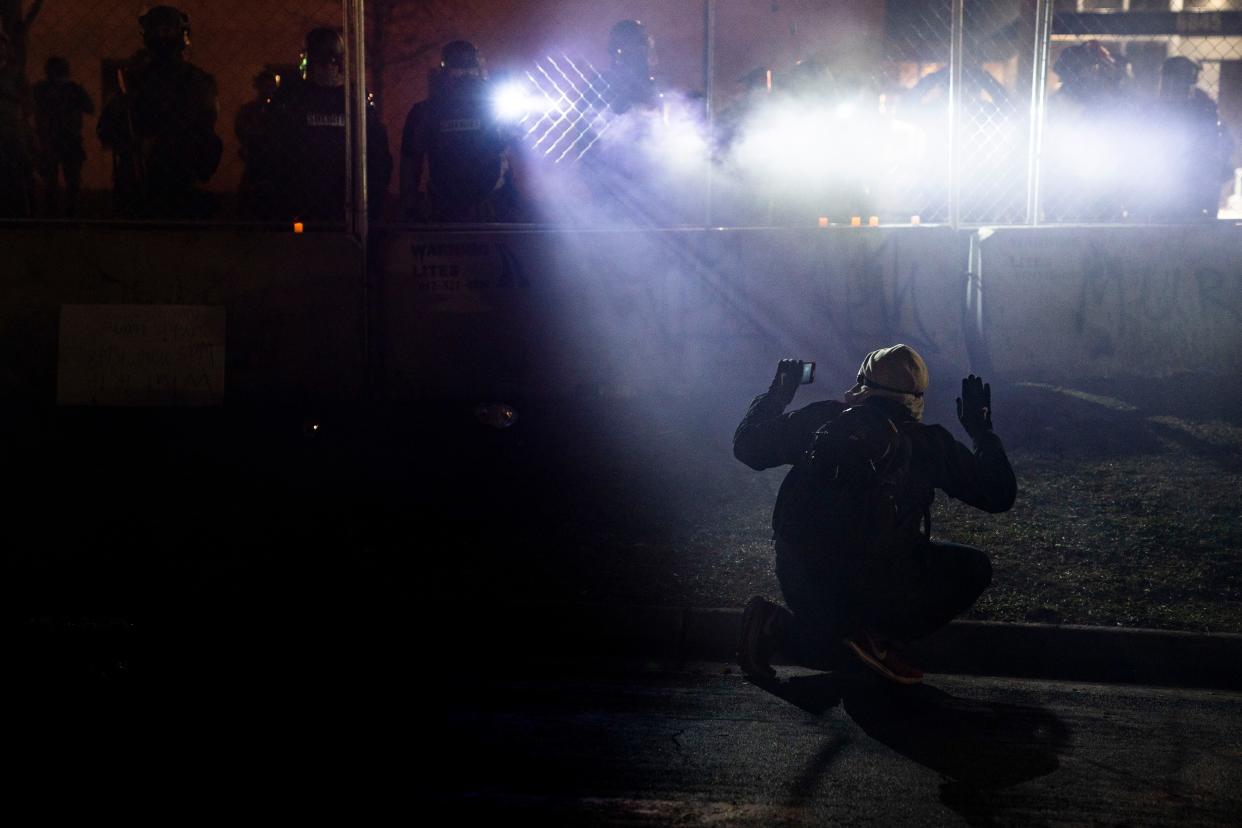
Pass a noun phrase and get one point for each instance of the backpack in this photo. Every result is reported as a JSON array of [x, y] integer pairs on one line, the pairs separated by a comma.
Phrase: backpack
[[852, 482]]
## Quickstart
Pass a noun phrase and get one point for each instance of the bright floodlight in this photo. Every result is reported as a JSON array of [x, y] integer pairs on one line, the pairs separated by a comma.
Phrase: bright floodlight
[[513, 102]]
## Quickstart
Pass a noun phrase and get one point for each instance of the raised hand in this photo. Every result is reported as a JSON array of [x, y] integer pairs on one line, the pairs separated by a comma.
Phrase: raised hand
[[788, 378], [974, 407]]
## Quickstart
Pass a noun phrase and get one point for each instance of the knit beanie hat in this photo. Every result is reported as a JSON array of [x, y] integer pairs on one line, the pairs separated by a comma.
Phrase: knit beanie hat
[[897, 372]]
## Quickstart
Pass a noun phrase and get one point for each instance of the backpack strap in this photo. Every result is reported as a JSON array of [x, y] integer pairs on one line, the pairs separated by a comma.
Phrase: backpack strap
[[907, 429]]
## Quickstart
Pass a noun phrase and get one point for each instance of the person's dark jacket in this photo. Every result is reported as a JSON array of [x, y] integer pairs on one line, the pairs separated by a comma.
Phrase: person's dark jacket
[[161, 130], [302, 157], [767, 437], [464, 150]]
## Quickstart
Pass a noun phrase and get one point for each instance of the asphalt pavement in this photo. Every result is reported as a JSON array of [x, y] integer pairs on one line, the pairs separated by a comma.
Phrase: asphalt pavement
[[627, 743]]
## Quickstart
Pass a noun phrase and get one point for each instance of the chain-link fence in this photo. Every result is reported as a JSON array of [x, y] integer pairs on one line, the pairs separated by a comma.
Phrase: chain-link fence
[[966, 112], [1089, 111], [963, 75], [1143, 117], [122, 110]]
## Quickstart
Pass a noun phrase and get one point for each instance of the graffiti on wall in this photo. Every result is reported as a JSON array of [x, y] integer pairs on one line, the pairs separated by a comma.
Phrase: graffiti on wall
[[1114, 300]]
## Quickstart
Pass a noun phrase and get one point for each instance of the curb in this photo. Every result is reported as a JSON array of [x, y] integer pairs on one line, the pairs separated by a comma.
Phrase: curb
[[986, 648]]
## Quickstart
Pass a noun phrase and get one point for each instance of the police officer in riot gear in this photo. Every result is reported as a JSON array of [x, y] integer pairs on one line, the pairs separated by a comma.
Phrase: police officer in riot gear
[[303, 153], [161, 127], [1197, 146], [454, 151], [632, 61], [1089, 125]]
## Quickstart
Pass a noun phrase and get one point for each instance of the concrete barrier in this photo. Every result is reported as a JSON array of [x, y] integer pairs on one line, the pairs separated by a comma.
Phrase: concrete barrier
[[1111, 301], [645, 312], [293, 303], [488, 313]]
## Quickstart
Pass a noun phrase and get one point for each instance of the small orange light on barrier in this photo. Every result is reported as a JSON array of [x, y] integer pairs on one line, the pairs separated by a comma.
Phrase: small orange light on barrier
[[855, 221], [823, 221], [915, 220], [874, 221], [297, 227]]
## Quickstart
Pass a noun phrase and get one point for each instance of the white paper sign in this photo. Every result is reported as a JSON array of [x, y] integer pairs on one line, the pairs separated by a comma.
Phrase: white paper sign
[[141, 355]]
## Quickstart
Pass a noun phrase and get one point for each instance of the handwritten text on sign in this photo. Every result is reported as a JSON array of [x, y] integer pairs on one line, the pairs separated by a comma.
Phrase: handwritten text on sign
[[141, 355]]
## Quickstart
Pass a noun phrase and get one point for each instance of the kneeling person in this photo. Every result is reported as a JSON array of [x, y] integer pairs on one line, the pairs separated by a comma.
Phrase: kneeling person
[[854, 555]]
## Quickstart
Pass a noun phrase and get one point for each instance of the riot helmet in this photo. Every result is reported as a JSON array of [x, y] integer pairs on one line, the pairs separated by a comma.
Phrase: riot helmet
[[461, 55], [1087, 69], [462, 70], [266, 83], [165, 31], [1177, 76], [325, 57]]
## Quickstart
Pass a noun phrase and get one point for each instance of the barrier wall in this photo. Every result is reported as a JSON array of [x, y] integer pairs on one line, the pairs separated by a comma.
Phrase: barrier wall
[[1112, 301], [499, 313], [293, 305], [631, 313]]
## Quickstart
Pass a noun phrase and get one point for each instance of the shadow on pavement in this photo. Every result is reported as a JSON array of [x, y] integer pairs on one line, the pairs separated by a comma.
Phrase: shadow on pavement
[[980, 746], [978, 743], [815, 694], [986, 744]]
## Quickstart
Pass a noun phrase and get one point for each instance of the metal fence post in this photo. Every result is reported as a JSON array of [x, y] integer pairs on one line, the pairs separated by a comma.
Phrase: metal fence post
[[709, 110], [957, 30], [356, 118], [356, 196], [1039, 99]]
